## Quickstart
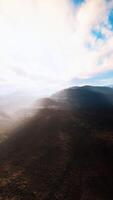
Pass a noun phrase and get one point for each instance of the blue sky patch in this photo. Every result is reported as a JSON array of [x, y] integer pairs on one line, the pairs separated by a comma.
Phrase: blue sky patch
[[95, 80], [98, 34], [110, 18], [77, 2]]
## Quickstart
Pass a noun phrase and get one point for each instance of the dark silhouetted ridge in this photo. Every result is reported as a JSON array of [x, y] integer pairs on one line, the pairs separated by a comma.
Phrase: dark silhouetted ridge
[[86, 97]]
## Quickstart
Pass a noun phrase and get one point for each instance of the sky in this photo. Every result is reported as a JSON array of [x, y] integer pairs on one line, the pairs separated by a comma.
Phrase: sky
[[47, 45]]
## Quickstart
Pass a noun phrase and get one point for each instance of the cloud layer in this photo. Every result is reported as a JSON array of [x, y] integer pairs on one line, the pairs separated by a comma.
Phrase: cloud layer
[[46, 43]]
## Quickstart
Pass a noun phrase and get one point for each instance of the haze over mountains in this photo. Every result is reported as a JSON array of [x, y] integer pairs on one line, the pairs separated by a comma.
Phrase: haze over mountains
[[56, 129], [15, 105], [64, 151]]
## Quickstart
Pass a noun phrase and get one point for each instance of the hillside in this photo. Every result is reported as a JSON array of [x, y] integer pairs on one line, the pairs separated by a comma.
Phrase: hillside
[[62, 154], [86, 97]]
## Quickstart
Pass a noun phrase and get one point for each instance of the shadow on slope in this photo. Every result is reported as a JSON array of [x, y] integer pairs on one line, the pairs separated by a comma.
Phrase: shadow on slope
[[60, 154], [87, 97]]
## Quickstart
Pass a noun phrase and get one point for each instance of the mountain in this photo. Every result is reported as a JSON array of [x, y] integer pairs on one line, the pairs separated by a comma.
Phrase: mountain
[[86, 97], [64, 152]]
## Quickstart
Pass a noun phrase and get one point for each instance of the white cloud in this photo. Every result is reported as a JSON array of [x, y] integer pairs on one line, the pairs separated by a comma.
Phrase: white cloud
[[43, 42]]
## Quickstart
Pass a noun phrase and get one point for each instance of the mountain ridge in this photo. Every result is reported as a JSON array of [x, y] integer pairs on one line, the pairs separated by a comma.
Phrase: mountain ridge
[[61, 154]]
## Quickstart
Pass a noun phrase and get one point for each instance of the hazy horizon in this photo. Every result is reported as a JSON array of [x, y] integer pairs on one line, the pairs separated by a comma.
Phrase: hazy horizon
[[56, 99], [49, 45]]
